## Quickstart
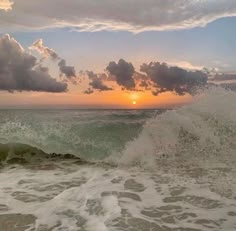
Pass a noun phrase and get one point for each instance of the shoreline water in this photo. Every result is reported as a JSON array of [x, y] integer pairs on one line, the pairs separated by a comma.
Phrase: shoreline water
[[127, 170]]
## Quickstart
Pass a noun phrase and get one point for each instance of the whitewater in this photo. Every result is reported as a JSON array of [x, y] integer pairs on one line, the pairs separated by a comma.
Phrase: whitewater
[[120, 170]]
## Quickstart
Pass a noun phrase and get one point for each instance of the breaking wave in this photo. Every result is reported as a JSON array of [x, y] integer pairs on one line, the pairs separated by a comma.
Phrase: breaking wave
[[202, 132]]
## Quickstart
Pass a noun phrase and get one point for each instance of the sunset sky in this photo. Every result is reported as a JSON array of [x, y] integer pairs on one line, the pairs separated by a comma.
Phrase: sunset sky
[[120, 54]]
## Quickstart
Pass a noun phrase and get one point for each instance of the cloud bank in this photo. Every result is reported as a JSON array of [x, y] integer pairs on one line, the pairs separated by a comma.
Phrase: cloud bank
[[21, 71], [171, 78], [155, 76], [129, 15]]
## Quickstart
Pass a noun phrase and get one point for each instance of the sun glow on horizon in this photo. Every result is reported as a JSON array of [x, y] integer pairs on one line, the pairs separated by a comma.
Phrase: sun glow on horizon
[[134, 97]]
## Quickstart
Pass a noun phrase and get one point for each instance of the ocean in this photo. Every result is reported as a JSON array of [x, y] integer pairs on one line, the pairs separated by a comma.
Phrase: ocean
[[120, 170]]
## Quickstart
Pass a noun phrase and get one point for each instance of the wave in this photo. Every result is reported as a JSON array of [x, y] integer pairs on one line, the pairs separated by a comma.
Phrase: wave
[[87, 134], [202, 132], [16, 153]]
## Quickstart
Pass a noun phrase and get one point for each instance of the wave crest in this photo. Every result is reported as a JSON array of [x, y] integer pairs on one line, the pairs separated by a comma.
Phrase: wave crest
[[200, 132]]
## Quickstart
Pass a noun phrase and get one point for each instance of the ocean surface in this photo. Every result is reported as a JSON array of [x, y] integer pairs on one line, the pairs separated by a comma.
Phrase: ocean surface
[[120, 170]]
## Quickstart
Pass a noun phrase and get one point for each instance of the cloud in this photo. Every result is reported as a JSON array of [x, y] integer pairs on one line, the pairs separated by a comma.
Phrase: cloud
[[68, 71], [145, 84], [123, 73], [45, 51], [229, 86], [156, 77], [129, 15], [175, 79], [5, 5], [186, 65], [96, 82], [19, 70], [224, 77], [89, 91]]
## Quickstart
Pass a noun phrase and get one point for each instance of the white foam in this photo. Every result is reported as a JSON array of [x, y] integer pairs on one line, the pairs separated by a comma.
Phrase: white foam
[[204, 130], [97, 203]]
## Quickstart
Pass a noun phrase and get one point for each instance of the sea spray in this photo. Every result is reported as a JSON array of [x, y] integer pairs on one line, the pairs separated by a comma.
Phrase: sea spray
[[203, 130]]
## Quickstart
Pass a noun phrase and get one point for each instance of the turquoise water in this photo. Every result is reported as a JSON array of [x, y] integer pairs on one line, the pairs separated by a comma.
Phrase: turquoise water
[[91, 134]]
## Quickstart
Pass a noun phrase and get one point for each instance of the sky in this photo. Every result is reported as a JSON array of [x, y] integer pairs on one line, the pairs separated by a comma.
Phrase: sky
[[114, 54]]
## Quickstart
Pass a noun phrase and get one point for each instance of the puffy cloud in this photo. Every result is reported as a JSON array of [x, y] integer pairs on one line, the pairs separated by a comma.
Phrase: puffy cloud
[[89, 91], [68, 71], [123, 72], [131, 15], [142, 80], [5, 5], [45, 51], [96, 82], [19, 70], [175, 79], [145, 84], [155, 76]]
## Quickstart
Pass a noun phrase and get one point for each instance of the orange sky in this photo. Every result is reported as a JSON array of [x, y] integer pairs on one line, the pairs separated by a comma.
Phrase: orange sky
[[112, 99]]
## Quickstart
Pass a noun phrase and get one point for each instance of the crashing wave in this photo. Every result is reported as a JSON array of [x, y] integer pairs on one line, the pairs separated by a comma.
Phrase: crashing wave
[[203, 132]]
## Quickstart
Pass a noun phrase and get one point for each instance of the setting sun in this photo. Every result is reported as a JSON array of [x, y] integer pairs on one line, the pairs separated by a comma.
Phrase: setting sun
[[134, 102]]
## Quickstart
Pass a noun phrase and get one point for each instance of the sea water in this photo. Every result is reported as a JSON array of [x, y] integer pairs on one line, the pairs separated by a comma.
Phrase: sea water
[[129, 170]]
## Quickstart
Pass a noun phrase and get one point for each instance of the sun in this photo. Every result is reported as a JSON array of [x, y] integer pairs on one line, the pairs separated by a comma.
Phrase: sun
[[134, 97]]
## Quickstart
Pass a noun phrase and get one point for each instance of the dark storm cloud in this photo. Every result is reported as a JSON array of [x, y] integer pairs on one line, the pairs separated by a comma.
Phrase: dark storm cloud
[[175, 79], [19, 70], [123, 73], [96, 82]]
